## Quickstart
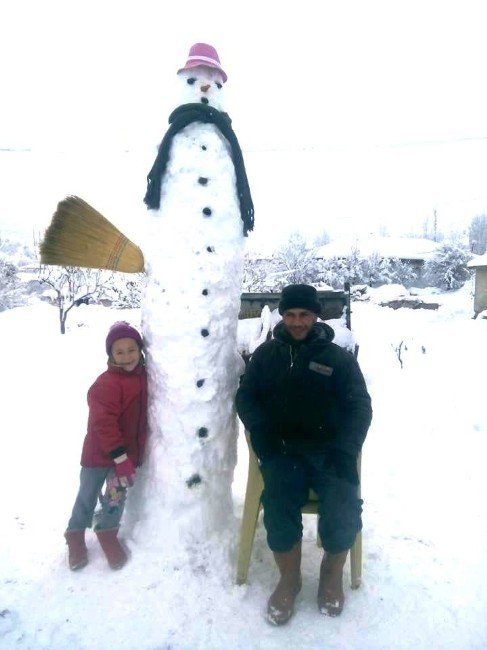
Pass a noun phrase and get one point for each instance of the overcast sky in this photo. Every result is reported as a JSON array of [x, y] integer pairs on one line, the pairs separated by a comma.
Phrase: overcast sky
[[396, 88]]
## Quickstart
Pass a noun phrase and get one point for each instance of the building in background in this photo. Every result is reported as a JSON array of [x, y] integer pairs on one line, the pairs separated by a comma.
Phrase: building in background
[[479, 264]]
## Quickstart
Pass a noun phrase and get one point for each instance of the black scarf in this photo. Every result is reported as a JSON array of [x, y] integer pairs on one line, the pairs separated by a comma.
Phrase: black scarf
[[181, 117]]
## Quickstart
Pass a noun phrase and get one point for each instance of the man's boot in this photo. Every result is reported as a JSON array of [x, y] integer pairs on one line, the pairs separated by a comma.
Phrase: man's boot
[[77, 551], [114, 551], [280, 607], [330, 589]]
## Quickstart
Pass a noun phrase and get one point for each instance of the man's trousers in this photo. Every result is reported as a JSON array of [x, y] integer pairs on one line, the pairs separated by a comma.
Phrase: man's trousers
[[287, 481]]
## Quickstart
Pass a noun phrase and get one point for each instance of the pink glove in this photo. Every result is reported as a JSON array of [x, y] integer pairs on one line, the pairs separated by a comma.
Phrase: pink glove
[[125, 470]]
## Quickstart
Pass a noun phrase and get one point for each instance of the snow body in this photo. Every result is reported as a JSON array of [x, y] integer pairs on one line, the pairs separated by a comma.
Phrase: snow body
[[194, 261]]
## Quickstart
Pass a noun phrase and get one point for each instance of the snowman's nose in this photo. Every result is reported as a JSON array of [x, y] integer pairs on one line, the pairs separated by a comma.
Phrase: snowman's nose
[[205, 88]]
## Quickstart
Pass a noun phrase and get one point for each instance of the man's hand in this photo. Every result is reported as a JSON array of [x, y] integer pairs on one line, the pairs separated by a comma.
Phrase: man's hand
[[345, 465], [125, 470], [266, 456]]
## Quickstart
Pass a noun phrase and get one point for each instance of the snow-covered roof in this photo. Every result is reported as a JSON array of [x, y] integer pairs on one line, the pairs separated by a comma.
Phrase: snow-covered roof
[[478, 261], [407, 248]]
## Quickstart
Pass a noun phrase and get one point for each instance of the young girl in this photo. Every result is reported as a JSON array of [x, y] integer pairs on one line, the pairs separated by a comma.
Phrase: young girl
[[113, 446]]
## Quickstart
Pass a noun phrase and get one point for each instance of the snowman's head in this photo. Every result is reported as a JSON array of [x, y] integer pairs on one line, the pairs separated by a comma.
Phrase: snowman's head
[[201, 85]]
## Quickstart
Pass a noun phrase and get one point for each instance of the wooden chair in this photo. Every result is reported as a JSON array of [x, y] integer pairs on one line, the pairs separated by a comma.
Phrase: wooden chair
[[252, 505]]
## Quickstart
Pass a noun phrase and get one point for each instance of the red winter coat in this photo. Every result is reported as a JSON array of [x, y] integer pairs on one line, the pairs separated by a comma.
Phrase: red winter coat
[[117, 420]]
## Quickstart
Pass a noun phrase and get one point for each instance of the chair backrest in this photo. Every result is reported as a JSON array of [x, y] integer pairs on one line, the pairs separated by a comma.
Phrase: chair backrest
[[332, 302]]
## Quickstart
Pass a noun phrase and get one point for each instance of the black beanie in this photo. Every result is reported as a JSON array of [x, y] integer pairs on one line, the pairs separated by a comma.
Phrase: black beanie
[[299, 296]]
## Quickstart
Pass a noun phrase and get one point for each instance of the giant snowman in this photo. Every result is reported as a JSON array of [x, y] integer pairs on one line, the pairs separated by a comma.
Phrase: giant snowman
[[199, 211], [191, 247]]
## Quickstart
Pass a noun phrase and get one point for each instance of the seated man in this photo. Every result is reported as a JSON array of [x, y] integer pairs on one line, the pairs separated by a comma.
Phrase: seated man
[[304, 401]]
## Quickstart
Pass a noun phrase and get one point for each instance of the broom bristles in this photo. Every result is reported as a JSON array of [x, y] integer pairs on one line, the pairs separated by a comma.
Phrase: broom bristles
[[80, 236]]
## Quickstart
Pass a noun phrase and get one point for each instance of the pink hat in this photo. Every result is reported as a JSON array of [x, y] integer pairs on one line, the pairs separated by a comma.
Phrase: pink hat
[[202, 54]]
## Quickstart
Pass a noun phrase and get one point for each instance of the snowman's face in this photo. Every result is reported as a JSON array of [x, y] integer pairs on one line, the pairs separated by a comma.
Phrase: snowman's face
[[202, 85]]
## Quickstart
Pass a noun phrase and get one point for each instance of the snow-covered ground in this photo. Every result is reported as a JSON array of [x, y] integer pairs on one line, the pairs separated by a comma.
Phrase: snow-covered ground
[[425, 530]]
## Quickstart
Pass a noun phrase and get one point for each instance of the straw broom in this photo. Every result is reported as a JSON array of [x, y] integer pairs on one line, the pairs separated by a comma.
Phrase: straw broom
[[80, 236]]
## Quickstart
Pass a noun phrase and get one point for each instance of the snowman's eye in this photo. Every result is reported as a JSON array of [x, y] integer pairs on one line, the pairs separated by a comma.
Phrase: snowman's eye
[[218, 84], [191, 80]]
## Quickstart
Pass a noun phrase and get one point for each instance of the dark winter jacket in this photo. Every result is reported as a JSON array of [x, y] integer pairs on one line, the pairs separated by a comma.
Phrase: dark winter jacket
[[117, 420], [304, 396]]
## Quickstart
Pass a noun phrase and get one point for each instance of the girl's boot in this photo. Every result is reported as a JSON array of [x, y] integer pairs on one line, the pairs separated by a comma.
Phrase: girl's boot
[[280, 607], [114, 551], [330, 589], [77, 551]]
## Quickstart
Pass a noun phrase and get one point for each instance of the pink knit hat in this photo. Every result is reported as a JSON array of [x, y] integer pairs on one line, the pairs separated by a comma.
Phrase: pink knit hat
[[202, 54], [121, 330]]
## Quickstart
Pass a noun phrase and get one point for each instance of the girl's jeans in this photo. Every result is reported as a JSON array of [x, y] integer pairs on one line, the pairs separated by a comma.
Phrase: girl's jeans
[[112, 501]]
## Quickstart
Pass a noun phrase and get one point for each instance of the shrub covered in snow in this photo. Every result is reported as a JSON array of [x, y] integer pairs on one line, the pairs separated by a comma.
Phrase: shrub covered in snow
[[448, 268], [259, 275], [373, 270], [294, 263], [10, 292]]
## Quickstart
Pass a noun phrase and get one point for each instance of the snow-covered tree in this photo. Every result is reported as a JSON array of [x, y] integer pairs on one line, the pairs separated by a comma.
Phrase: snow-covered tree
[[9, 285], [373, 270], [379, 270], [295, 263], [448, 268], [333, 272], [477, 235], [321, 239], [258, 275], [73, 286], [401, 273], [431, 228], [354, 264], [352, 268]]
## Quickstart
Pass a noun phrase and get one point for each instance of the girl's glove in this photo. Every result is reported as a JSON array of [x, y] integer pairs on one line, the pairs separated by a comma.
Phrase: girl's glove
[[125, 470]]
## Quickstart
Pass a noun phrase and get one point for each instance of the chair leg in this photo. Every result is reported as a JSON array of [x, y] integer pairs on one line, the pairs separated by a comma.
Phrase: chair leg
[[249, 523], [255, 485], [356, 550], [319, 543], [356, 562]]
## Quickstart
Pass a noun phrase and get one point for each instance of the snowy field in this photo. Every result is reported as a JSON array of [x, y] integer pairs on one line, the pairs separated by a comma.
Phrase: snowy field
[[425, 530]]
